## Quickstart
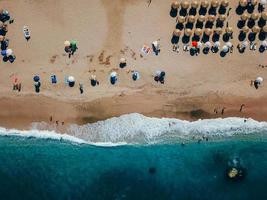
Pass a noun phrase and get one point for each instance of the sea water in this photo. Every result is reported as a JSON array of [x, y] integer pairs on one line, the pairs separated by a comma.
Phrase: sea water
[[66, 168]]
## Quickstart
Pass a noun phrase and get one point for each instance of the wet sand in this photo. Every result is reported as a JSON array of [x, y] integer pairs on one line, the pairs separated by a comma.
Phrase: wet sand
[[106, 31]]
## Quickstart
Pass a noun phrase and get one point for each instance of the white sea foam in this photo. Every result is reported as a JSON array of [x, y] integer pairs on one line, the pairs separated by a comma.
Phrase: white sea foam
[[138, 129]]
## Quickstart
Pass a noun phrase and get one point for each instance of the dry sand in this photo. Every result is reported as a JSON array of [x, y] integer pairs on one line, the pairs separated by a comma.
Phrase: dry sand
[[105, 31]]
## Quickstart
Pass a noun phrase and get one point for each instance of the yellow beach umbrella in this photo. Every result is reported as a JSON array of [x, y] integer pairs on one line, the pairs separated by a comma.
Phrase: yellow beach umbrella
[[198, 32], [229, 30], [185, 4], [204, 3], [211, 18], [245, 29], [194, 4], [201, 18], [188, 32], [181, 19], [222, 17], [191, 18], [245, 16], [218, 31], [208, 31], [214, 3], [264, 15], [255, 16], [175, 5], [177, 33], [243, 3], [256, 29], [225, 3]]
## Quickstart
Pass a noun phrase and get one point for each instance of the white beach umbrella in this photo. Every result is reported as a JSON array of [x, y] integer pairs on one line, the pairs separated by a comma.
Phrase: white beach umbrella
[[263, 2], [113, 74], [217, 44], [259, 79], [208, 44], [156, 44], [264, 43], [67, 43], [122, 60], [71, 79], [229, 44], [9, 52], [225, 49], [199, 44]]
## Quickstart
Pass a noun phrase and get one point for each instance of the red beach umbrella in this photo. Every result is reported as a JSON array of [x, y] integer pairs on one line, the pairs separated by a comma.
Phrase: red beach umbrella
[[194, 43]]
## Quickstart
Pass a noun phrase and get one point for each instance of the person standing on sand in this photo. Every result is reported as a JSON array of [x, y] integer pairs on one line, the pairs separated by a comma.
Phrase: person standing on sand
[[223, 110], [149, 2], [81, 88], [241, 107]]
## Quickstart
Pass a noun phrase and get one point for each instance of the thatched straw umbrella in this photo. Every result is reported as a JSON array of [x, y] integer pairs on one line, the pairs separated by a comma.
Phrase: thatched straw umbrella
[[188, 32], [264, 15], [218, 31], [194, 4], [243, 3], [177, 33], [225, 3], [214, 3], [208, 31], [222, 18], [229, 30], [204, 3], [181, 19], [256, 29], [201, 18], [185, 5], [255, 16], [245, 29], [191, 19], [254, 2], [211, 18], [175, 5], [264, 29], [245, 16], [198, 32]]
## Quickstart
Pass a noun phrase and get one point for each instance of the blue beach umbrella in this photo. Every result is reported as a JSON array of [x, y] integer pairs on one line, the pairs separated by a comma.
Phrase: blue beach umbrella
[[36, 78]]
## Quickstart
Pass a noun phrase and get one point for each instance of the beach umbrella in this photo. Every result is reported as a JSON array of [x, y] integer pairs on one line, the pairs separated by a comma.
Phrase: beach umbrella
[[264, 29], [217, 44], [218, 31], [245, 16], [214, 3], [93, 77], [2, 38], [245, 29], [67, 43], [243, 3], [175, 5], [1, 24], [256, 29], [204, 3], [9, 52], [208, 31], [222, 17], [199, 45], [188, 32], [254, 2], [71, 79], [181, 19], [177, 32], [191, 18], [185, 4], [36, 78], [113, 74], [225, 49], [201, 18], [225, 3], [198, 32], [194, 4], [211, 18], [264, 15], [208, 44], [229, 44], [244, 44], [263, 2], [264, 43], [229, 30], [122, 60], [194, 43], [259, 79], [255, 16]]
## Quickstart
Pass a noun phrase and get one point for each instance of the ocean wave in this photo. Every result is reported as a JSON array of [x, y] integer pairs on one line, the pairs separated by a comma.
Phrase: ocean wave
[[138, 129]]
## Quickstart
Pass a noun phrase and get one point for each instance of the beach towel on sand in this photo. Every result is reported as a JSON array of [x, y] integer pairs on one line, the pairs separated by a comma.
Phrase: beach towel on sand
[[145, 49]]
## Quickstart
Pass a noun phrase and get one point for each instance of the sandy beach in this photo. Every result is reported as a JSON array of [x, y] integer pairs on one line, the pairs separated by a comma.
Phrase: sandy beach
[[105, 32]]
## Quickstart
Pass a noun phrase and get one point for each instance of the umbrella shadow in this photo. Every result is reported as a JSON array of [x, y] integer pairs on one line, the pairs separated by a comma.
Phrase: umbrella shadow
[[226, 37], [223, 54], [195, 38], [261, 49], [212, 11], [241, 50], [250, 8], [202, 11], [209, 24], [189, 25], [261, 22], [240, 10], [251, 37], [215, 37], [185, 39], [206, 50], [222, 10], [251, 23], [180, 26], [193, 11], [175, 39], [219, 24], [173, 12], [199, 25], [183, 12], [205, 38], [242, 36], [262, 36], [241, 24]]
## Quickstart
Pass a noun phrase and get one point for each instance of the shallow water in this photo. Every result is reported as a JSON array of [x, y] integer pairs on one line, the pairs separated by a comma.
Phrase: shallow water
[[32, 168]]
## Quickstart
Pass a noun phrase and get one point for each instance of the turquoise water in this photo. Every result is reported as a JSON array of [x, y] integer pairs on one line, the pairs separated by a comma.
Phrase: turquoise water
[[33, 168]]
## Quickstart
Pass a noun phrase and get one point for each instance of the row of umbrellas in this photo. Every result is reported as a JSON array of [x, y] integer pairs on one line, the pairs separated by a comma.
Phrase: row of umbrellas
[[195, 4], [206, 31], [201, 18], [244, 3], [254, 16], [254, 29]]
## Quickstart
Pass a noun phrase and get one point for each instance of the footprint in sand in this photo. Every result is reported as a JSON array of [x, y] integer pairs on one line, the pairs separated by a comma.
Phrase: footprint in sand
[[53, 59]]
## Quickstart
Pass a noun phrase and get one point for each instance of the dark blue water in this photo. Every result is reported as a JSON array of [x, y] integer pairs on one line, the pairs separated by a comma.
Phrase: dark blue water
[[47, 169]]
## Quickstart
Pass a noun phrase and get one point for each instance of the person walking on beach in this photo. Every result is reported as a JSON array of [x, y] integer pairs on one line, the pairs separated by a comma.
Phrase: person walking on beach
[[241, 107], [223, 110], [81, 88]]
